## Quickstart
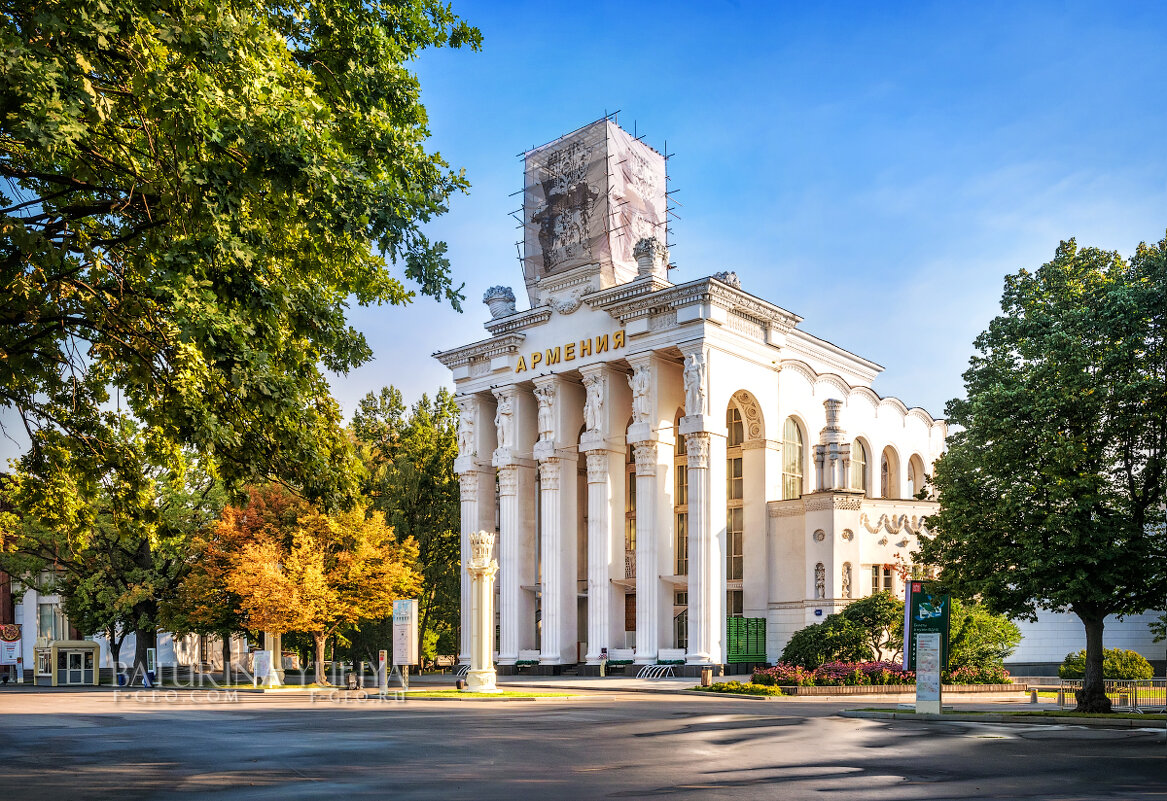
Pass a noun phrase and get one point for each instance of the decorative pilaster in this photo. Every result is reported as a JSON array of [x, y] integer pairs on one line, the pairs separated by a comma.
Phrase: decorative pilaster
[[481, 568], [647, 569]]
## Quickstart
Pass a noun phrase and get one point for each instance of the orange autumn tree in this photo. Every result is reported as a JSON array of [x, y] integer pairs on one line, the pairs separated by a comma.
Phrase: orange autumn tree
[[204, 603], [305, 570]]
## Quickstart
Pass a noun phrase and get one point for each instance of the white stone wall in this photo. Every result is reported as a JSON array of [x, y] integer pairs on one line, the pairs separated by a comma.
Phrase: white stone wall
[[1055, 634]]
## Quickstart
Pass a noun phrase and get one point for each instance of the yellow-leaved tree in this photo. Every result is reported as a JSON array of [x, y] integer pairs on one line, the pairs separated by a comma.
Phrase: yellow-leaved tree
[[305, 570]]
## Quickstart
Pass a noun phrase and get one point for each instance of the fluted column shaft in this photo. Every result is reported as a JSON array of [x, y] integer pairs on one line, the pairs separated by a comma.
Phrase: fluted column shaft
[[701, 601], [510, 589], [647, 568], [552, 578], [599, 554]]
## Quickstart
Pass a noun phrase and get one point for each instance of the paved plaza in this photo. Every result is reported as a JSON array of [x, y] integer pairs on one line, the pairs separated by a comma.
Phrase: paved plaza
[[97, 745]]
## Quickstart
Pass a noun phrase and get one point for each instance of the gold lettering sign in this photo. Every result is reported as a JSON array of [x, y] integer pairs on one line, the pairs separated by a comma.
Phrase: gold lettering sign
[[570, 351]]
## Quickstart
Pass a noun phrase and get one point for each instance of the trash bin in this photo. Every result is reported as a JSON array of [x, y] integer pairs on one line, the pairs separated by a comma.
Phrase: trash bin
[[350, 680], [121, 679], [706, 677]]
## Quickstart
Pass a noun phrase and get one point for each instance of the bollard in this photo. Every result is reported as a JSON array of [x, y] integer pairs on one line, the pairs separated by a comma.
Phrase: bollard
[[706, 677], [1033, 696]]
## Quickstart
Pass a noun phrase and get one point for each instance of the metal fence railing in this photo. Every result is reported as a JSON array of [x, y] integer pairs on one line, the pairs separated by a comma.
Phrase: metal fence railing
[[1141, 695]]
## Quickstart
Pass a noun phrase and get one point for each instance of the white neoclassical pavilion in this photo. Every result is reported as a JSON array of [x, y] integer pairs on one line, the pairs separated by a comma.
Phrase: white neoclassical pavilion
[[659, 459]]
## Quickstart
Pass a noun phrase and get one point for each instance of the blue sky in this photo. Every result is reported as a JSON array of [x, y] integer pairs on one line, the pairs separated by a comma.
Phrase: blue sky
[[877, 168]]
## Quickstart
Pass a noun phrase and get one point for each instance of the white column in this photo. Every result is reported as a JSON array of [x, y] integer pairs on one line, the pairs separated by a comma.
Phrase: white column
[[599, 553], [476, 482], [481, 569], [552, 578], [647, 569], [700, 550], [510, 591]]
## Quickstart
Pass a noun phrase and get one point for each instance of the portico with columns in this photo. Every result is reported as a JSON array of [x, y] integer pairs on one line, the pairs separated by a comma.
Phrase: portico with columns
[[659, 458]]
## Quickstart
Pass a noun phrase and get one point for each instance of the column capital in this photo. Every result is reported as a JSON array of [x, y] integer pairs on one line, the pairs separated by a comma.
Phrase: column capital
[[508, 480], [647, 455], [598, 466], [549, 473], [697, 450]]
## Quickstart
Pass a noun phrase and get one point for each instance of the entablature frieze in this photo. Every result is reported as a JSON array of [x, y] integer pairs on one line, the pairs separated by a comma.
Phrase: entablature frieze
[[485, 349], [847, 501]]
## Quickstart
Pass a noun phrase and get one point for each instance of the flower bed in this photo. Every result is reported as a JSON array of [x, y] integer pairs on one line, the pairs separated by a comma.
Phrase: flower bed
[[868, 674], [740, 688]]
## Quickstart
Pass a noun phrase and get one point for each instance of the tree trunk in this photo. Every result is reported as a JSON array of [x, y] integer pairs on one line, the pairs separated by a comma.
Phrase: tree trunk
[[320, 639], [144, 639], [1092, 697], [226, 659], [115, 653]]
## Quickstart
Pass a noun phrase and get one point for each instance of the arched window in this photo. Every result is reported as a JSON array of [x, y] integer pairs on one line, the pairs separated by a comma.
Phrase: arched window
[[734, 513], [915, 476], [859, 466], [792, 454]]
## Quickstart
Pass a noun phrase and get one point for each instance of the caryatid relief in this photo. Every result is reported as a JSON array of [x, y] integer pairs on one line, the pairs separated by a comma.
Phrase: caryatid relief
[[466, 418], [820, 581], [639, 381], [594, 402], [694, 377], [545, 395], [504, 421], [846, 579]]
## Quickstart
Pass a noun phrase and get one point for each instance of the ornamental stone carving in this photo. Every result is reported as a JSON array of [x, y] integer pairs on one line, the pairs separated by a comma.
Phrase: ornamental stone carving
[[820, 581], [466, 418], [568, 303], [594, 384], [545, 396], [651, 257], [697, 449], [730, 278], [848, 535], [645, 453], [846, 579], [893, 524], [508, 480], [639, 383], [504, 419], [694, 377], [481, 548], [500, 300], [468, 487], [751, 414], [820, 535], [549, 474], [597, 467]]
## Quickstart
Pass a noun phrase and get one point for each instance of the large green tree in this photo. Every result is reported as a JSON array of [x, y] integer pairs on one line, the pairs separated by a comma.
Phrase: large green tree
[[1052, 492], [409, 459], [193, 192], [116, 523]]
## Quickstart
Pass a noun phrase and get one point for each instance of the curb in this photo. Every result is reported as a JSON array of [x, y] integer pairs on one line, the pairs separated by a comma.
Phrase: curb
[[994, 717]]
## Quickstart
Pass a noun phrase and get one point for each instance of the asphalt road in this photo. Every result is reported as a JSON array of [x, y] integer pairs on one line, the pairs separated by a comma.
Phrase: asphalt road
[[91, 746]]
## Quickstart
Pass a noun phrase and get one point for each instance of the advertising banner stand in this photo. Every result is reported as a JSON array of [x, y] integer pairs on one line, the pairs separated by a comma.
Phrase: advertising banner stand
[[405, 637], [926, 616]]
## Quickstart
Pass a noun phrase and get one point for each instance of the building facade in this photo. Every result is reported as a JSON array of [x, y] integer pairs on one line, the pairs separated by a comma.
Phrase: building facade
[[667, 463]]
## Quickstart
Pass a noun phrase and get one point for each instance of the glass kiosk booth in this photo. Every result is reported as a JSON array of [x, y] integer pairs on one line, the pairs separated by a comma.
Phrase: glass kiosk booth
[[68, 662]]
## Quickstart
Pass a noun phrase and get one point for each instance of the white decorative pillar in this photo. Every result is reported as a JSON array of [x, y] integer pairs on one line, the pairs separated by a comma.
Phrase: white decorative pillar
[[481, 569], [516, 548], [832, 456], [476, 482], [702, 603], [552, 578], [647, 567], [599, 553]]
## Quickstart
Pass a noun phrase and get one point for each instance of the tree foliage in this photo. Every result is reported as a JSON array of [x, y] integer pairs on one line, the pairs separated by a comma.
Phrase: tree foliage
[[1052, 496], [300, 569], [979, 639], [115, 522], [836, 639], [880, 616], [409, 459], [1117, 663], [193, 193]]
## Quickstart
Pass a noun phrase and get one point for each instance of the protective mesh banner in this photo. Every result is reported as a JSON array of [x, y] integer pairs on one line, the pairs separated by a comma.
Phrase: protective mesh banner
[[589, 197]]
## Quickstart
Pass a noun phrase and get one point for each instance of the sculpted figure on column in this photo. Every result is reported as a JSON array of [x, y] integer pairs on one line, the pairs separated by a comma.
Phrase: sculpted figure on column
[[503, 420], [638, 381], [694, 377], [466, 417], [545, 395], [594, 403]]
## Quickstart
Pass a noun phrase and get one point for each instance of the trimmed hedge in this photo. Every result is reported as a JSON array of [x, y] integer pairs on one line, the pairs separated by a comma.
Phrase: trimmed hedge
[[740, 688], [838, 674], [1117, 663]]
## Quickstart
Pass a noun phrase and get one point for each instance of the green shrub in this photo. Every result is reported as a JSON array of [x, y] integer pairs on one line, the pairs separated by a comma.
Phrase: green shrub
[[836, 639], [740, 688], [1116, 664], [978, 638]]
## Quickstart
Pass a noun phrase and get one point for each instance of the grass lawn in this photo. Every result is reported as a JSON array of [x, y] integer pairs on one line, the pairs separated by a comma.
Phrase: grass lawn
[[455, 693]]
